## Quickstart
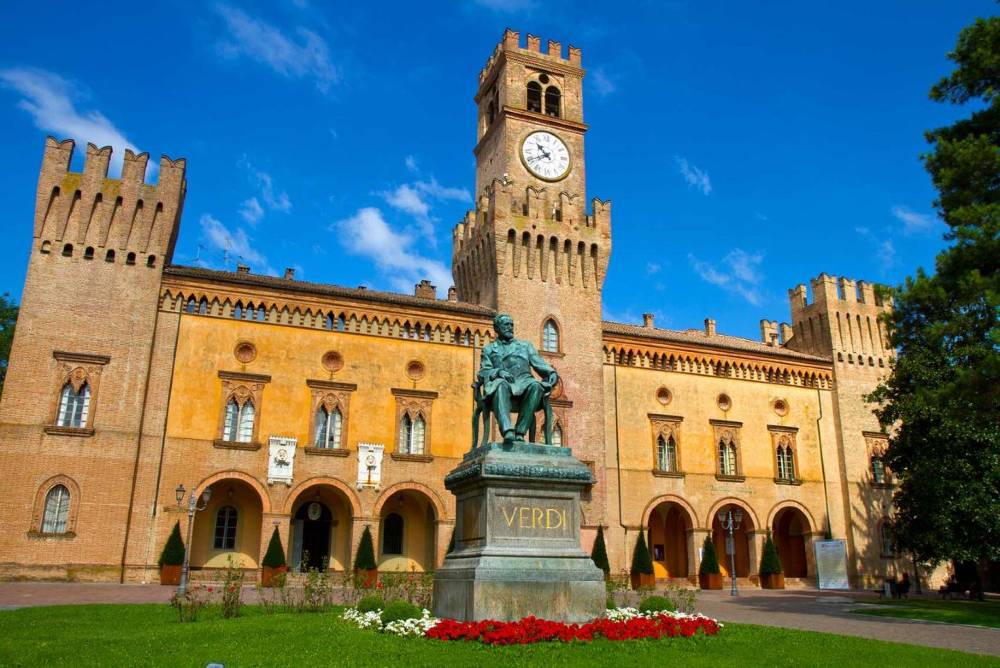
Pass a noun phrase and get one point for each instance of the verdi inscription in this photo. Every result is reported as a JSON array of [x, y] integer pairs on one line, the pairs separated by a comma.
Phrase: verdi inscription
[[533, 518]]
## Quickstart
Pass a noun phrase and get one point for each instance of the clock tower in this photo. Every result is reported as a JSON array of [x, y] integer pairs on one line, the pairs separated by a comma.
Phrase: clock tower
[[531, 248]]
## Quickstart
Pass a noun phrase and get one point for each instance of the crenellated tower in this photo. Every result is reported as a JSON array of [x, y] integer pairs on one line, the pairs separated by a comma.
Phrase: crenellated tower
[[89, 321], [530, 248]]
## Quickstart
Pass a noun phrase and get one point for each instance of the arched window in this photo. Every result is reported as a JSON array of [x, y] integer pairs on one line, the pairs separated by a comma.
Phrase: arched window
[[328, 322], [328, 427], [666, 454], [392, 534], [727, 458], [130, 258], [151, 261], [878, 470], [74, 405], [203, 307], [557, 435], [786, 465], [56, 510], [550, 337], [225, 528], [109, 256], [68, 250], [534, 96], [192, 305], [552, 101], [238, 311], [239, 421], [411, 435], [341, 323], [261, 313], [88, 254]]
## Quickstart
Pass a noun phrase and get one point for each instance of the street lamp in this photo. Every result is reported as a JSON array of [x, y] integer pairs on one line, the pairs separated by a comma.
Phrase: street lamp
[[193, 507], [730, 520]]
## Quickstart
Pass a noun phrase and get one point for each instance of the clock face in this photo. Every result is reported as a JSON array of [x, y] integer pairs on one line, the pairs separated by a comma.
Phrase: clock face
[[545, 156]]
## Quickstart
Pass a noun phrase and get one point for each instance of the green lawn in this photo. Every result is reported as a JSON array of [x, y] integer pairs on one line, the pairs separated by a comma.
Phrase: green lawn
[[116, 635], [980, 613]]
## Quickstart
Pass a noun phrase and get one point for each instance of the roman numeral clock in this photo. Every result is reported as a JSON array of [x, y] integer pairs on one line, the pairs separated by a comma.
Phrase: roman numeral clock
[[545, 155]]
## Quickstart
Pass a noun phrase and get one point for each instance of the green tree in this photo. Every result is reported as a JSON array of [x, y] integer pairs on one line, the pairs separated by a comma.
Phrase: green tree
[[275, 555], [364, 560], [709, 562], [941, 399], [8, 319], [599, 553], [642, 562], [770, 564], [173, 549]]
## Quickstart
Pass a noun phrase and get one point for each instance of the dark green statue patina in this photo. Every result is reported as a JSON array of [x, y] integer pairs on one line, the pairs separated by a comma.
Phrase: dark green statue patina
[[505, 383]]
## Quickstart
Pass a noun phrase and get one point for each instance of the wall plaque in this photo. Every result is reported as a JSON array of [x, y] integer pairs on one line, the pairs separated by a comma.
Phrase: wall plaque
[[281, 459], [370, 465]]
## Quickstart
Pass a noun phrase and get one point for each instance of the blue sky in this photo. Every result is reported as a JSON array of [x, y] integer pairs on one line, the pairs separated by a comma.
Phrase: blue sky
[[747, 147]]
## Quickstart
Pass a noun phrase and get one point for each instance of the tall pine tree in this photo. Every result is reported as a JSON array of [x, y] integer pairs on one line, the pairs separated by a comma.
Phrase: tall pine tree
[[941, 398]]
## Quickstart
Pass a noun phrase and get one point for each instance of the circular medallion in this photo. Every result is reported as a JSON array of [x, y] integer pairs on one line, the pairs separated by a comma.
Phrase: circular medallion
[[370, 460], [415, 370], [245, 352], [282, 455], [315, 511], [663, 396], [725, 403], [780, 407], [332, 361]]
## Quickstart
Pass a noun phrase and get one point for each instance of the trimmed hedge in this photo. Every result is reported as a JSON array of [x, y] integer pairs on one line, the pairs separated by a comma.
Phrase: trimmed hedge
[[709, 562], [770, 564], [656, 604], [400, 610], [364, 560], [370, 604], [173, 550], [599, 553], [275, 555], [642, 562]]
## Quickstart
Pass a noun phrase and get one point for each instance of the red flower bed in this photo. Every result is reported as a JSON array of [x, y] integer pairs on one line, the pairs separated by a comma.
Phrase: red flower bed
[[532, 629]]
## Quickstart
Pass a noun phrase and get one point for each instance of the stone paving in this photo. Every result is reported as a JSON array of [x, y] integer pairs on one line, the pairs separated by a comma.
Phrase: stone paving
[[809, 610]]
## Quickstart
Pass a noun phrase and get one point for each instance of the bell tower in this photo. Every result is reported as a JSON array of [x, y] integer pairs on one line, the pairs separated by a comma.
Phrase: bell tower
[[530, 248]]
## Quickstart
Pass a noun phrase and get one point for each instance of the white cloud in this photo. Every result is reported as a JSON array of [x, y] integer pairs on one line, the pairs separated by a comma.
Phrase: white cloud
[[407, 200], [50, 100], [738, 272], [411, 164], [694, 177], [759, 216], [653, 268], [252, 211], [884, 250], [604, 84], [366, 233], [437, 191], [234, 243], [913, 222], [506, 6], [309, 57], [413, 199]]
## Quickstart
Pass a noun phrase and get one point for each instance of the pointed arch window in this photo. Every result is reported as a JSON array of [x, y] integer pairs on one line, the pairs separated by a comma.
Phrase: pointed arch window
[[786, 462], [239, 421], [329, 426], [411, 435], [534, 96], [392, 534], [192, 304], [203, 306], [56, 514], [550, 336], [74, 405], [666, 454], [225, 528], [727, 458], [878, 469], [553, 101]]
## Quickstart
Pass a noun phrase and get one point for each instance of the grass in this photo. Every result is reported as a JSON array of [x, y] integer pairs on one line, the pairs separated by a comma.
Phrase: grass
[[150, 635], [980, 613]]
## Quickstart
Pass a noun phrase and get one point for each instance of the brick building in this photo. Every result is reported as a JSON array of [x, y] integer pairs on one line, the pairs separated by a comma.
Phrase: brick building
[[320, 410]]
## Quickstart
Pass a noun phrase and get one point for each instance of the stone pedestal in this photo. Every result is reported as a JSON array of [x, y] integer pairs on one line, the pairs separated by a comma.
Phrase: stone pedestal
[[517, 538]]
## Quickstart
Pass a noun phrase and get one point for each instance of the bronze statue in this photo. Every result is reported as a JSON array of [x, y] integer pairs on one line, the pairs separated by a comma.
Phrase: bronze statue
[[505, 383]]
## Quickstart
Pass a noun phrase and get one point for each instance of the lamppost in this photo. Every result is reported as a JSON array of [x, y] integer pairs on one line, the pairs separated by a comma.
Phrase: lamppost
[[730, 520], [193, 507]]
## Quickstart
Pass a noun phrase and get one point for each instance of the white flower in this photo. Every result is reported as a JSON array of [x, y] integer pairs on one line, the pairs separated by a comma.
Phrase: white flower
[[625, 614], [414, 628]]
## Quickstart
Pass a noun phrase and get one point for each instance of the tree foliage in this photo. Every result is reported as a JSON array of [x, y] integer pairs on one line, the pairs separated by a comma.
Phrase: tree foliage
[[642, 562], [8, 319], [364, 560], [770, 564], [941, 399], [599, 553], [173, 549], [275, 555], [709, 561]]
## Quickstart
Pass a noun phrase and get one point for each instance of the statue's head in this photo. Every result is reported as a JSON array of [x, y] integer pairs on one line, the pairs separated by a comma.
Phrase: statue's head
[[503, 325]]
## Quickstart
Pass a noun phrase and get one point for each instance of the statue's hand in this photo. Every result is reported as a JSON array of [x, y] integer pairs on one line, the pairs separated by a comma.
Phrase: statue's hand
[[505, 375]]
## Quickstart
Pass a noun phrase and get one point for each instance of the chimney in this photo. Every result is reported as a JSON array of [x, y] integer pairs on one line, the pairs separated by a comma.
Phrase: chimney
[[242, 269], [709, 327], [769, 331], [289, 274], [452, 294], [647, 320], [425, 289]]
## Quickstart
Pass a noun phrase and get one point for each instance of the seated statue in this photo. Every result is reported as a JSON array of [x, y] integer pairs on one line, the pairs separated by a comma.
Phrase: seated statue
[[505, 383]]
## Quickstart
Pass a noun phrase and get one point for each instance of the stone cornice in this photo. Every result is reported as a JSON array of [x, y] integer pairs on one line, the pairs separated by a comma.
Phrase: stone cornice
[[725, 423], [782, 428], [245, 377], [80, 358], [416, 394], [331, 385]]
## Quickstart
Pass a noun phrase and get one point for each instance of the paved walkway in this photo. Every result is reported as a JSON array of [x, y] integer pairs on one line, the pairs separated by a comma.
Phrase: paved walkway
[[808, 610], [811, 610]]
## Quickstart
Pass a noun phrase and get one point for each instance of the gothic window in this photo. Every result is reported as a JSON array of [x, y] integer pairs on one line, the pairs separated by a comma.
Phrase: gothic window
[[411, 435], [239, 421], [74, 405], [225, 528], [727, 458], [534, 96], [192, 305], [56, 510], [203, 307], [329, 425], [261, 313], [786, 461], [392, 534], [878, 470], [552, 101], [666, 453], [550, 337], [238, 311]]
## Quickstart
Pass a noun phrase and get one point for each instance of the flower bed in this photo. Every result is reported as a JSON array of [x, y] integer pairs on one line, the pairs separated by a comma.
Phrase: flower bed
[[618, 624]]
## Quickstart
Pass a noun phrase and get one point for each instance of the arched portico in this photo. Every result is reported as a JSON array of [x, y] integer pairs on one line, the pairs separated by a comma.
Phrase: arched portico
[[228, 529], [407, 531], [791, 531], [669, 525], [745, 555], [322, 514]]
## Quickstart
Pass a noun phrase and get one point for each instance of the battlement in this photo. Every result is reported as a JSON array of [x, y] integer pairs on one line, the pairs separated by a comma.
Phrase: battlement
[[835, 292], [89, 209], [511, 43]]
